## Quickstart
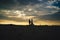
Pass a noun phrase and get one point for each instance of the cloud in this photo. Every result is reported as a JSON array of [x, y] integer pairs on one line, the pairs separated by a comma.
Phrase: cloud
[[6, 4], [20, 10], [57, 4], [2, 16], [54, 17], [9, 4], [14, 15]]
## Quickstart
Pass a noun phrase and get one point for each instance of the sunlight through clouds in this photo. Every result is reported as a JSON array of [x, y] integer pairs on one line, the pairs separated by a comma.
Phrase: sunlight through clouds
[[22, 10]]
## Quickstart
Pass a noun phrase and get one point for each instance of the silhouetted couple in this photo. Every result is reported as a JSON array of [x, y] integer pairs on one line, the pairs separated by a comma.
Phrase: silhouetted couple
[[31, 22]]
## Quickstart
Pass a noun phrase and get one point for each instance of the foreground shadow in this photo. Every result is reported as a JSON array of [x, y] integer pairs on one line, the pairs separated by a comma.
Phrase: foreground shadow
[[29, 32]]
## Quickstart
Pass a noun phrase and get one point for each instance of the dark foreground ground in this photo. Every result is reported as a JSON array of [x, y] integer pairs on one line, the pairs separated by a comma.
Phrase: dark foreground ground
[[14, 32]]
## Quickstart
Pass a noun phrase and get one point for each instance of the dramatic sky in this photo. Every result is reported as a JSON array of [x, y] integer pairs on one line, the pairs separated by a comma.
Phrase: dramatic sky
[[43, 12]]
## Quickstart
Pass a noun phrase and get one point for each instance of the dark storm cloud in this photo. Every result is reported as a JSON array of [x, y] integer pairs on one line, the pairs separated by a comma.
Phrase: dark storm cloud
[[55, 16], [26, 2], [20, 1], [57, 4], [7, 4]]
